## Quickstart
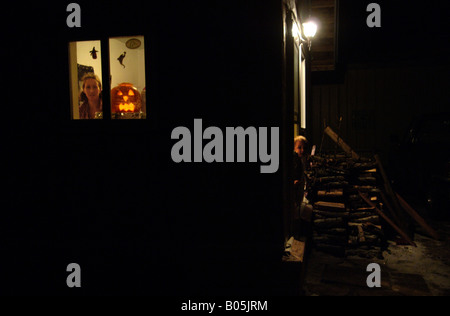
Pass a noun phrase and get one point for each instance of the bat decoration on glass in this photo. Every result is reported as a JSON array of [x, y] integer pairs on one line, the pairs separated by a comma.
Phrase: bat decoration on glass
[[93, 53], [121, 57]]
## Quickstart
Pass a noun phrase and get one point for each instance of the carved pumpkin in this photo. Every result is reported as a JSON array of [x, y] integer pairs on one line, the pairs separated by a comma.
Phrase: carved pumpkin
[[125, 98]]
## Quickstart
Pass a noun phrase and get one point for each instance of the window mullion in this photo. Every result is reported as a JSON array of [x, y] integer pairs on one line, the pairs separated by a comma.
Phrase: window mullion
[[106, 79]]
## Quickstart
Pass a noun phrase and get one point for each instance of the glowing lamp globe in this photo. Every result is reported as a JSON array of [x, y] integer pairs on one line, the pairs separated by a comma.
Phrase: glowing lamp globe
[[310, 29]]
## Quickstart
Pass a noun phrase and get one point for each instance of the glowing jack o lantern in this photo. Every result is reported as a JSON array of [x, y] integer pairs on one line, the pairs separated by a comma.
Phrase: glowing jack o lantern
[[125, 98]]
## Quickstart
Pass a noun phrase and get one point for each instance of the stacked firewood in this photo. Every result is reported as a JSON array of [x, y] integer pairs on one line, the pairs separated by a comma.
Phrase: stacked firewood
[[343, 223], [366, 237], [355, 204]]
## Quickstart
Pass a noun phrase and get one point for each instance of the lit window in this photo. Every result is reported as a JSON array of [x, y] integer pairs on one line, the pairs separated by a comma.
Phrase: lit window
[[125, 84], [85, 78], [127, 64]]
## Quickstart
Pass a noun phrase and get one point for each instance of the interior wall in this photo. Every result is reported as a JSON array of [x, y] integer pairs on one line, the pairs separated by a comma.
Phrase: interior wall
[[84, 57], [134, 61]]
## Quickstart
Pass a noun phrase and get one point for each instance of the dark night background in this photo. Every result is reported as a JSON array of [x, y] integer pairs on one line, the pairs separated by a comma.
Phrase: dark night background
[[410, 32], [154, 227], [390, 89]]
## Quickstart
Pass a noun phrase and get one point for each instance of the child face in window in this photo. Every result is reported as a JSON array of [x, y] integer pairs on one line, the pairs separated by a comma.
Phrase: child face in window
[[92, 90]]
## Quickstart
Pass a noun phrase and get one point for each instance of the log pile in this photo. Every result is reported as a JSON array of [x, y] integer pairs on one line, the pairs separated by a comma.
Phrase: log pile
[[355, 205], [343, 223]]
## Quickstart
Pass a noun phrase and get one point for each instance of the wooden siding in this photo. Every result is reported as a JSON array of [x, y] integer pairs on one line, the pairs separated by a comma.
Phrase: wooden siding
[[323, 48], [376, 103]]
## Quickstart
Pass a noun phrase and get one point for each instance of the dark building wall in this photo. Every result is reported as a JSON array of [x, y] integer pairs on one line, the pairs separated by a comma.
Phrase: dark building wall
[[378, 103], [108, 194], [385, 78]]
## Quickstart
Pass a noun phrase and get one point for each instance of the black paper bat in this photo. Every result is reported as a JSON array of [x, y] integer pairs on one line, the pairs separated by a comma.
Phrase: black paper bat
[[121, 57], [93, 53]]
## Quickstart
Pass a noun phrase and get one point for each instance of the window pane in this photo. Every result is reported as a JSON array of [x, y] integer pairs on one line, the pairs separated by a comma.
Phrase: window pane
[[85, 80], [128, 89]]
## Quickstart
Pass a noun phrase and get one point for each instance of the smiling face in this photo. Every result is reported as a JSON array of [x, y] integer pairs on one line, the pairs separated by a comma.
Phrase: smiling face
[[91, 89]]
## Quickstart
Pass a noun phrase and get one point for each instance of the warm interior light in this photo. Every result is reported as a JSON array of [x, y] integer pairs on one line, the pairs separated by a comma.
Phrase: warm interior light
[[310, 29], [127, 107], [295, 30], [125, 98]]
